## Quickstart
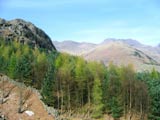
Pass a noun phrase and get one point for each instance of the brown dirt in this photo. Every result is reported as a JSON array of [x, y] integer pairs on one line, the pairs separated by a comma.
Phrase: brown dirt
[[10, 107]]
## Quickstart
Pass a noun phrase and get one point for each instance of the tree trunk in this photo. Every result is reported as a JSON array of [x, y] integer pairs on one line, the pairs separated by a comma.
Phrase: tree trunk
[[69, 97], [141, 111], [2, 97], [89, 100], [61, 99], [130, 100], [20, 101]]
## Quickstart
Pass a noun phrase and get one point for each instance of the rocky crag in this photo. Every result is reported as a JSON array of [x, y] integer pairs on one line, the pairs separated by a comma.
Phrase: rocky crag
[[26, 33]]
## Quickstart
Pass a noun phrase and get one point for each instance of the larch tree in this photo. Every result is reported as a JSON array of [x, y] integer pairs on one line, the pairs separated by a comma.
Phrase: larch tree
[[48, 87], [97, 99]]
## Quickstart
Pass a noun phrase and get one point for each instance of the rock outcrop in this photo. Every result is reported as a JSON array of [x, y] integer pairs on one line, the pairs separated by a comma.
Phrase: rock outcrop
[[26, 33]]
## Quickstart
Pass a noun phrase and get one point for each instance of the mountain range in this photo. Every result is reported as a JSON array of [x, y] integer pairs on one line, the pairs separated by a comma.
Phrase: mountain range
[[118, 51]]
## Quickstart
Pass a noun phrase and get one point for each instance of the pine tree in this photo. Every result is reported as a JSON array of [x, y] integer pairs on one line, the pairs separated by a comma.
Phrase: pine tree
[[97, 99], [12, 66], [154, 74], [23, 69], [116, 108], [2, 64], [48, 87]]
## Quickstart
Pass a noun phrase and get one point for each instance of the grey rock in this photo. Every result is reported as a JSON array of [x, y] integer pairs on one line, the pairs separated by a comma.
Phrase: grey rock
[[26, 33], [2, 21]]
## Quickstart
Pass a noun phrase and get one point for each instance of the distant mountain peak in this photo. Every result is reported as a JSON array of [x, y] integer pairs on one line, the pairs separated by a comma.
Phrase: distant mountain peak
[[25, 32], [72, 47], [119, 51], [130, 42], [69, 42]]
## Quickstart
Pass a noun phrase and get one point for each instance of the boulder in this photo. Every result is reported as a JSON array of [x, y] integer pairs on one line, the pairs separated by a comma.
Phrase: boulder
[[29, 113]]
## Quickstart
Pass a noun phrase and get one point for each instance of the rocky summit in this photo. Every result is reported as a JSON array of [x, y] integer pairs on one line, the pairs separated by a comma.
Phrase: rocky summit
[[26, 33]]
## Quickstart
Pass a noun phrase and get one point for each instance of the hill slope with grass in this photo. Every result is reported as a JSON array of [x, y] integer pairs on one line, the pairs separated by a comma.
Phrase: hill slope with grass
[[118, 51]]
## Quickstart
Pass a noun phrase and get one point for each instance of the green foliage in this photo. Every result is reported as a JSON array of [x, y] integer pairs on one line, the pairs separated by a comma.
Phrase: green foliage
[[12, 66], [154, 74], [23, 68], [154, 91], [21, 62], [48, 87], [155, 103], [97, 99], [116, 108], [112, 92], [3, 64], [71, 83], [152, 81]]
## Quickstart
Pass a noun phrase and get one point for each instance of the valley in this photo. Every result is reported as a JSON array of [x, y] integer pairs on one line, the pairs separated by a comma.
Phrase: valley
[[116, 79]]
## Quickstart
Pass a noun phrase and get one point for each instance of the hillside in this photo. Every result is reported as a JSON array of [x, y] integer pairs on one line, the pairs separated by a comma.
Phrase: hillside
[[118, 51], [74, 48], [123, 54], [32, 104], [26, 53], [26, 33]]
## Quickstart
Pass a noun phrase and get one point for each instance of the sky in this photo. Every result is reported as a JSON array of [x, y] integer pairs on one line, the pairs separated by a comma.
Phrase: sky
[[89, 20]]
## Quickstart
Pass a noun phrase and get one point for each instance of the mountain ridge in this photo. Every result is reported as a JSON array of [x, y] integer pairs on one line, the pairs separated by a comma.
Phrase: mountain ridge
[[118, 51], [72, 47], [131, 42]]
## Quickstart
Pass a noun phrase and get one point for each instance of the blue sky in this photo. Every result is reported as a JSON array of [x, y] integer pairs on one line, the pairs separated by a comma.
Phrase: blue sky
[[89, 20]]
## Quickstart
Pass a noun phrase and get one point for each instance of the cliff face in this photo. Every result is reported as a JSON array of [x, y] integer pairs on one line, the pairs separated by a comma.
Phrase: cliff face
[[26, 33]]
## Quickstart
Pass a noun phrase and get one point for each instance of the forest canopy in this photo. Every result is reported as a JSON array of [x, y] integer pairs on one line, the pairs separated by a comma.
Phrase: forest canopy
[[73, 85]]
